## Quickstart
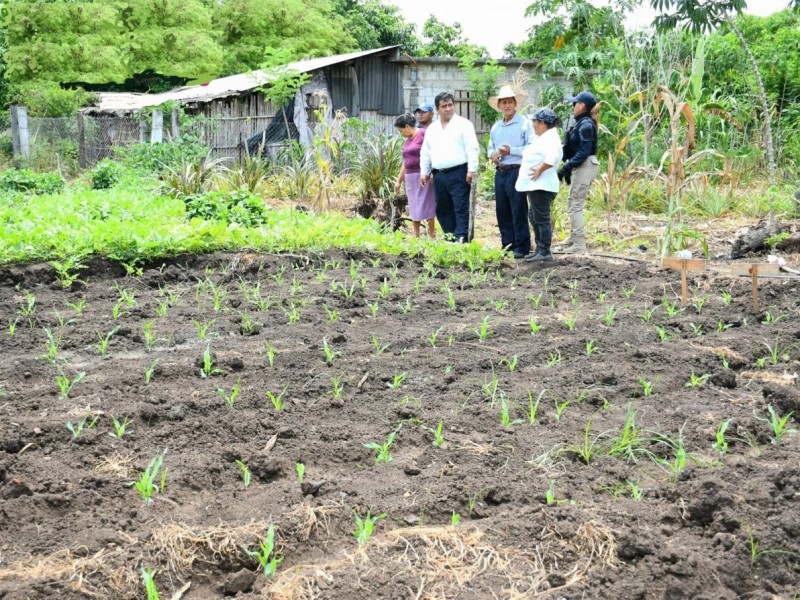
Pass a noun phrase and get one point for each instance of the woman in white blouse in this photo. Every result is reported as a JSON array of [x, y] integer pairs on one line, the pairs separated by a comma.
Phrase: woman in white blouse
[[538, 177]]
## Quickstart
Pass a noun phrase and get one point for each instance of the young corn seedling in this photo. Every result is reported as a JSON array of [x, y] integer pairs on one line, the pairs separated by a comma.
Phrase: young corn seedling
[[398, 379], [12, 327], [146, 484], [434, 337], [647, 386], [246, 474], [330, 353], [627, 444], [119, 428], [628, 292], [646, 314], [511, 363], [407, 306], [699, 303], [149, 335], [300, 468], [148, 579], [778, 424], [338, 387], [534, 325], [769, 318], [267, 556], [776, 353], [696, 329], [533, 406], [610, 316], [77, 429], [636, 492], [373, 309], [126, 296], [65, 384], [670, 309], [451, 300], [365, 526], [62, 322], [379, 348], [29, 308], [723, 326], [296, 287], [559, 406], [53, 342], [230, 398], [726, 297], [247, 326], [208, 369], [720, 443], [678, 463], [332, 315], [553, 358], [438, 436], [601, 298], [383, 292], [505, 415], [382, 450], [696, 380], [663, 336], [150, 371], [202, 328], [277, 401], [270, 353], [591, 348], [535, 300], [102, 342], [586, 451], [571, 320], [455, 519], [293, 314], [550, 494], [483, 330], [499, 305]]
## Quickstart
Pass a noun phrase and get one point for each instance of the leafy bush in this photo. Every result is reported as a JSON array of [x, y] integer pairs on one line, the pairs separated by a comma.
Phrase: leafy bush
[[237, 206], [24, 180], [153, 158], [106, 174], [49, 99]]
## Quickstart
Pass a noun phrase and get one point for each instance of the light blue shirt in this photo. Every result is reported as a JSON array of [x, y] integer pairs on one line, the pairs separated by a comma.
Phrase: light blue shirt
[[516, 134]]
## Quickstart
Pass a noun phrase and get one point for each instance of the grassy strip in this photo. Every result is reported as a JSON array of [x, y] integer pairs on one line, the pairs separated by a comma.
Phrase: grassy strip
[[132, 223]]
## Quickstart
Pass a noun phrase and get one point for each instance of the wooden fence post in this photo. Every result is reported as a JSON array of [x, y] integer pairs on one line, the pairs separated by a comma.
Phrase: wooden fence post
[[81, 142], [19, 134], [157, 132], [175, 126], [142, 130]]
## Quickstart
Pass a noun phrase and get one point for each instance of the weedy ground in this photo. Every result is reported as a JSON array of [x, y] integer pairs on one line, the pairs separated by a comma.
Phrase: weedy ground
[[564, 472]]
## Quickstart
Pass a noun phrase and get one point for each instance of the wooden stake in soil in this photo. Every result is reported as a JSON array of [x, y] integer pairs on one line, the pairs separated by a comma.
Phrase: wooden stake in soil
[[684, 264], [754, 270]]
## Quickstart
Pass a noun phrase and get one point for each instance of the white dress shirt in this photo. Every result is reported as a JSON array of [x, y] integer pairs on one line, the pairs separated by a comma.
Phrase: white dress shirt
[[545, 148], [450, 146]]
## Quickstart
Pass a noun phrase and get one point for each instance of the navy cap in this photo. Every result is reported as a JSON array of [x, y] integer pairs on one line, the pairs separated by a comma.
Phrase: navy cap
[[546, 116], [586, 97], [427, 107]]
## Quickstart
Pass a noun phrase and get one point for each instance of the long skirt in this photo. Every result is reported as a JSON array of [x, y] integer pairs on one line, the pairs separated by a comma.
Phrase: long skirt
[[421, 200]]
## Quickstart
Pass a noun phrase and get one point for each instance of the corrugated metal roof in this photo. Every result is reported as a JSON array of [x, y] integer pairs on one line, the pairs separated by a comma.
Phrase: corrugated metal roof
[[218, 88]]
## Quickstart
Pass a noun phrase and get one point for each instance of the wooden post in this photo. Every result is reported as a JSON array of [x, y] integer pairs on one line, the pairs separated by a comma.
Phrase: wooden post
[[19, 134], [157, 133], [142, 130], [684, 264], [754, 276], [754, 270], [684, 286], [175, 126], [81, 142]]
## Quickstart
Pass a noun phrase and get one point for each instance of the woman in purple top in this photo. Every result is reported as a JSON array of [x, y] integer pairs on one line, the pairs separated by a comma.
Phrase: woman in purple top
[[421, 200]]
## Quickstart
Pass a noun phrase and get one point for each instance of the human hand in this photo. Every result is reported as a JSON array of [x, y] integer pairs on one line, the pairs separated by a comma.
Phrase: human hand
[[423, 180], [397, 186], [470, 176], [565, 175]]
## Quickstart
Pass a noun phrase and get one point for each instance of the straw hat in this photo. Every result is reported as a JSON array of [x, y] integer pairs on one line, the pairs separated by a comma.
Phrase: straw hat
[[506, 92]]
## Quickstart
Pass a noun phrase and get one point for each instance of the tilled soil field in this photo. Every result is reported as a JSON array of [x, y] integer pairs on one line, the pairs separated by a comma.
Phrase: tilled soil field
[[591, 437]]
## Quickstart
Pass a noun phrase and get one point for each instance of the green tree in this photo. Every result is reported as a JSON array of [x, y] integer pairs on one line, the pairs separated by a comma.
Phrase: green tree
[[282, 82], [374, 24], [441, 39], [306, 28]]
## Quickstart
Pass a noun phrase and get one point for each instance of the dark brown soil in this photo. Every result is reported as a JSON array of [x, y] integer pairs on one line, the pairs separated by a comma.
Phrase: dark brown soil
[[72, 526]]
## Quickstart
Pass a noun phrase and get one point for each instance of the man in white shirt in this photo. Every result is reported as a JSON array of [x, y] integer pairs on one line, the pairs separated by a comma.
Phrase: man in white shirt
[[450, 152]]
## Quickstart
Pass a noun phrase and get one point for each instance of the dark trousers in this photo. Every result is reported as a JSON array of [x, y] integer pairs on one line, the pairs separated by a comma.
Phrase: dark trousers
[[452, 202], [539, 215], [511, 208]]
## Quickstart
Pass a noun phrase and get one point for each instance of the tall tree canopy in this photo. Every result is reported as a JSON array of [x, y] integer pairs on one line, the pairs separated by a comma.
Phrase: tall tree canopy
[[374, 24]]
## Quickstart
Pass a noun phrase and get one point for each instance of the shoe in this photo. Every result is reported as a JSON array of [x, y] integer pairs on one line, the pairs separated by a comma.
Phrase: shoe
[[540, 259], [530, 255], [520, 255], [575, 249]]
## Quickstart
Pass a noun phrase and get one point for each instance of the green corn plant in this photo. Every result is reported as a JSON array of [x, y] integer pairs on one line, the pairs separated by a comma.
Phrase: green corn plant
[[330, 353], [247, 325], [627, 444], [12, 327], [699, 303], [434, 337], [696, 329], [203, 327], [150, 371], [53, 342], [559, 406], [726, 297], [628, 292], [511, 363], [696, 380], [382, 450], [77, 429], [591, 348], [296, 287], [126, 296], [102, 341], [338, 387], [589, 449], [451, 300], [769, 318], [720, 443], [601, 298], [647, 386], [149, 335], [379, 348], [270, 353], [407, 306], [723, 326], [778, 424], [483, 330], [610, 316], [533, 406], [293, 314], [455, 519], [535, 300], [646, 314], [373, 309], [301, 471], [553, 358], [663, 336], [62, 322], [230, 398], [146, 484], [332, 315], [505, 414], [208, 369], [277, 401], [572, 320], [534, 325], [398, 379], [148, 579], [365, 526], [246, 474], [119, 428], [29, 308], [438, 436], [776, 353], [65, 384], [550, 494], [266, 555], [383, 292], [670, 309]]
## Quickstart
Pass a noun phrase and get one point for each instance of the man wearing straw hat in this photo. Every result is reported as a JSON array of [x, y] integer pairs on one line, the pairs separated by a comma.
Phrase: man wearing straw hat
[[507, 140]]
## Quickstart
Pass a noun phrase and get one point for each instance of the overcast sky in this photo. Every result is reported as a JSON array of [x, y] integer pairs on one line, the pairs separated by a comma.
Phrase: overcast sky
[[495, 23]]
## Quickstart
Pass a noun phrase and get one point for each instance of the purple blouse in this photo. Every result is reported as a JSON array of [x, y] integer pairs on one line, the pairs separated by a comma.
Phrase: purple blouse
[[411, 150]]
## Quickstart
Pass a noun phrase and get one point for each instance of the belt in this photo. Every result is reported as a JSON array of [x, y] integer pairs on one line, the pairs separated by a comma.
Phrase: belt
[[506, 167], [448, 169]]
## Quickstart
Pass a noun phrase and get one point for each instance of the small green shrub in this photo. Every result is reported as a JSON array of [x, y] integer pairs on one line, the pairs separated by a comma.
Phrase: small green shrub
[[153, 158], [237, 206], [106, 174], [24, 180]]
